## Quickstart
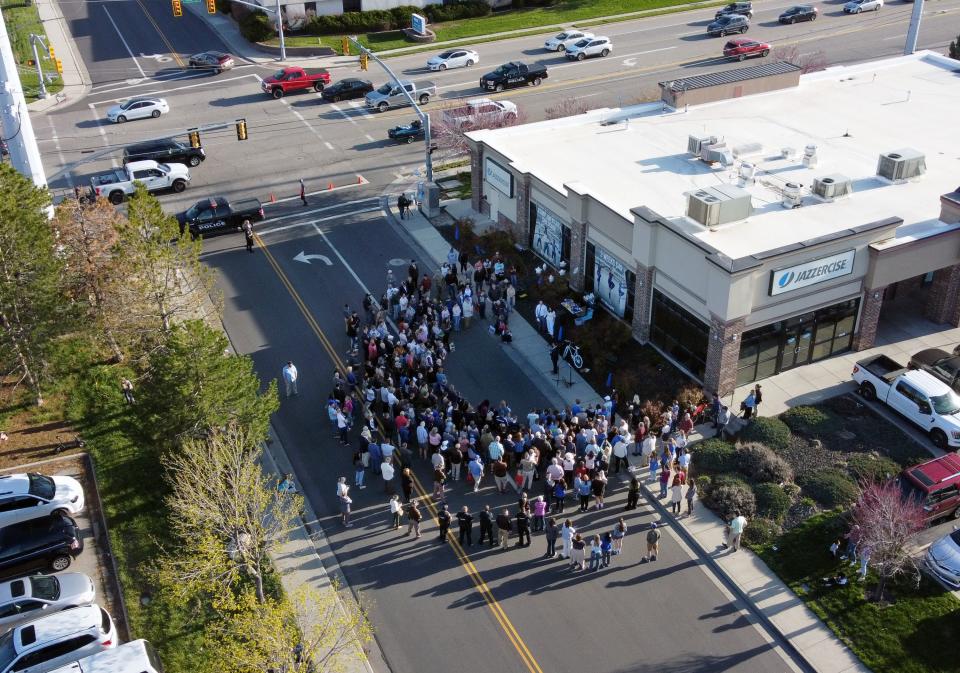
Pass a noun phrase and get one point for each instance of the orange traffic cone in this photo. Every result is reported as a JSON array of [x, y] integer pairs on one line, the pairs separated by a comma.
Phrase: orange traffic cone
[[273, 199], [359, 180], [330, 185]]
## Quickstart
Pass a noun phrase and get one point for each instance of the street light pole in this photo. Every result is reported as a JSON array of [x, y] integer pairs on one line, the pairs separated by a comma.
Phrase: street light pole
[[424, 117], [36, 59]]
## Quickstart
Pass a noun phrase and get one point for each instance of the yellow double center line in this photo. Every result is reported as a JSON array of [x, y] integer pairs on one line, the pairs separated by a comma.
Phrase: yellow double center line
[[472, 572], [173, 52]]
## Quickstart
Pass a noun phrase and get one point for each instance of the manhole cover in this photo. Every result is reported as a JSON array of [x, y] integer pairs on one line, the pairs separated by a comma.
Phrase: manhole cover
[[397, 261]]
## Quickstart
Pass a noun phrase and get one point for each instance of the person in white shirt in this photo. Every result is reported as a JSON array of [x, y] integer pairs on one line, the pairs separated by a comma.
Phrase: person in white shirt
[[648, 447], [386, 469], [290, 376], [395, 510], [541, 315], [343, 495]]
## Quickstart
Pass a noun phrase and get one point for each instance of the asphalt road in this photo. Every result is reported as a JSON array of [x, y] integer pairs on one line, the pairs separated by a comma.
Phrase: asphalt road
[[302, 137], [426, 602]]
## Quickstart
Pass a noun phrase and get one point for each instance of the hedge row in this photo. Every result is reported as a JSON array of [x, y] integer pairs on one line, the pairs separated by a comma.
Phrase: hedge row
[[392, 19]]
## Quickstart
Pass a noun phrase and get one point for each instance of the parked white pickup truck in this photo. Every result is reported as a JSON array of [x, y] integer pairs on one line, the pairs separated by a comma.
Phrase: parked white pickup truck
[[919, 397], [480, 112], [116, 184]]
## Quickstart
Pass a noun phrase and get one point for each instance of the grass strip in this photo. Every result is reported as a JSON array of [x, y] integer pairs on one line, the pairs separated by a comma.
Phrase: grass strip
[[22, 19]]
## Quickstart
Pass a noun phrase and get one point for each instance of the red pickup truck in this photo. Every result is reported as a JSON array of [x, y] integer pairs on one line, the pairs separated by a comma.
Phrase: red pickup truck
[[294, 78]]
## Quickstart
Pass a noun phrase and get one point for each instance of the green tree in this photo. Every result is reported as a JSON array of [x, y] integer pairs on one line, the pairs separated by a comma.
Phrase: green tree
[[87, 237], [225, 514], [313, 630], [163, 281], [194, 387], [33, 310]]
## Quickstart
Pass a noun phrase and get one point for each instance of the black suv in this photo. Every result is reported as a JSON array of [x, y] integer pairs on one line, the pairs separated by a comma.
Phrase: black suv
[[164, 152], [729, 24], [50, 542], [741, 8], [799, 13]]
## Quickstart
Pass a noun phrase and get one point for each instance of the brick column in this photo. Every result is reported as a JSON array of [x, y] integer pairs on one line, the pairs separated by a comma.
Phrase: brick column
[[476, 177], [578, 254], [869, 318], [943, 297], [723, 353], [522, 229], [642, 301]]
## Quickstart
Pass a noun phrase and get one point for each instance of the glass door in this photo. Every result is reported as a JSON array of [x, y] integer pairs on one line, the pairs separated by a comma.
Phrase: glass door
[[798, 339]]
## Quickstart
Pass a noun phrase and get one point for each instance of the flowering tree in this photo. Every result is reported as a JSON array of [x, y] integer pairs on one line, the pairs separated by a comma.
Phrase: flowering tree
[[812, 62], [450, 137], [888, 522]]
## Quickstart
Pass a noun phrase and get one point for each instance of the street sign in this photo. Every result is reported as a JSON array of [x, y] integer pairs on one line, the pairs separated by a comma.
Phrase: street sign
[[418, 24]]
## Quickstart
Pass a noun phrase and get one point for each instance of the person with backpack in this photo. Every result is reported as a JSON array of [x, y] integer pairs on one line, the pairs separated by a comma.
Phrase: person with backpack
[[619, 532], [413, 519], [443, 519], [653, 543]]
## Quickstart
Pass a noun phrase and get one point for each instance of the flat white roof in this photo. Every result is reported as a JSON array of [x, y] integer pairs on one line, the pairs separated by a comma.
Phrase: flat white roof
[[851, 113]]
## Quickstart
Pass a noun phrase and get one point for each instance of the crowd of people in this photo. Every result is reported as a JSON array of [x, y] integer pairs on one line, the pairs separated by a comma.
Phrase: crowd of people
[[394, 405]]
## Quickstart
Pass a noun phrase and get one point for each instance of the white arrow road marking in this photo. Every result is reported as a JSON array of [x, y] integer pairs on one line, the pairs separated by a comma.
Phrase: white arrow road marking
[[629, 61], [306, 259], [159, 58]]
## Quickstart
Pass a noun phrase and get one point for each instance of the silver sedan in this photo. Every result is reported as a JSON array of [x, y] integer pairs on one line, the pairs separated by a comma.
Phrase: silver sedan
[[454, 58], [138, 108]]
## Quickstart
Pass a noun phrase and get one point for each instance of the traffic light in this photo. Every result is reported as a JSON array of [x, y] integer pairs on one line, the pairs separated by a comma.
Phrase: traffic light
[[177, 8], [345, 46], [194, 139], [59, 65], [363, 61], [53, 54], [211, 6], [241, 129]]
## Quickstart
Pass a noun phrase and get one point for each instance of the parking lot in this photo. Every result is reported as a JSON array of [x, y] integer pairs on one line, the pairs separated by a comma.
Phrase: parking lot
[[96, 560]]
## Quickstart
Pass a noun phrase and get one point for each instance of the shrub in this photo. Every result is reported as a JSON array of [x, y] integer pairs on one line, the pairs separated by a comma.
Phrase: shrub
[[771, 432], [689, 396], [772, 502], [728, 494], [760, 532], [871, 467], [703, 484], [810, 421], [762, 464], [792, 491], [256, 27], [714, 455], [830, 488], [456, 10]]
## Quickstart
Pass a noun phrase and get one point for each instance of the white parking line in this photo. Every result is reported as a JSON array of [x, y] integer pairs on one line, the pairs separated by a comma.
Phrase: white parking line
[[329, 146], [303, 121], [103, 132], [370, 138], [361, 108], [274, 230], [56, 144], [135, 61]]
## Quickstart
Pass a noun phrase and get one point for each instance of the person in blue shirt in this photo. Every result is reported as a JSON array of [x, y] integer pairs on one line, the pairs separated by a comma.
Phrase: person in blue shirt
[[606, 546]]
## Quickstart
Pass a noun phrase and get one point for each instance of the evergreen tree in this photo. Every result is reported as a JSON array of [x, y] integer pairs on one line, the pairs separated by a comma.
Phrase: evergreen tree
[[195, 387], [33, 310]]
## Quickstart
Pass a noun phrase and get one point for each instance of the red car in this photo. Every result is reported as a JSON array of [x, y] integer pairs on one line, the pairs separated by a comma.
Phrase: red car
[[743, 48]]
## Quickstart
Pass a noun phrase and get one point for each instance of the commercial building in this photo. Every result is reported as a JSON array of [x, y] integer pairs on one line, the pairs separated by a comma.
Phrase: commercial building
[[755, 220]]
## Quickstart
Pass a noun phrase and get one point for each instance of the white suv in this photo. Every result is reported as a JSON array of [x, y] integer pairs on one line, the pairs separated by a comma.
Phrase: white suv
[[137, 656], [563, 40], [28, 598], [32, 496], [593, 46], [52, 641]]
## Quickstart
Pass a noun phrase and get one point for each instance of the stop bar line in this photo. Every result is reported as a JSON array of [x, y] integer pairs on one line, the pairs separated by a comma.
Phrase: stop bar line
[[274, 230]]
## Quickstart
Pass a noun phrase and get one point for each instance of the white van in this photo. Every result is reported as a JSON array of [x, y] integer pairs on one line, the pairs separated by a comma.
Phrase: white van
[[133, 657]]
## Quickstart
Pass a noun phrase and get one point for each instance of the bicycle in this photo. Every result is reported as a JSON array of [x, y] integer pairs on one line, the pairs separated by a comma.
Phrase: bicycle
[[75, 443], [571, 353]]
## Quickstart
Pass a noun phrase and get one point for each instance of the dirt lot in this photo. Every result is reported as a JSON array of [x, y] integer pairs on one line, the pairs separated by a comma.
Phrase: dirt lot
[[95, 560]]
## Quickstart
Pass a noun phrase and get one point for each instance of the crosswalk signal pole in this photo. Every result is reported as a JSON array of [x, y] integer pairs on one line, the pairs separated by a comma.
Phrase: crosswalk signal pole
[[36, 59]]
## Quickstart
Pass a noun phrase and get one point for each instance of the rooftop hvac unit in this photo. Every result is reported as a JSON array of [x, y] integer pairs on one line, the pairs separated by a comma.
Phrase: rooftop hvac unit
[[718, 205], [810, 156], [790, 196], [746, 173], [901, 164], [832, 186], [696, 143], [718, 152]]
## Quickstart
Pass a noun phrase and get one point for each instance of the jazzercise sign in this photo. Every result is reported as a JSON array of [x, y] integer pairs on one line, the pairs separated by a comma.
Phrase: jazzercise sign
[[498, 177], [418, 24], [811, 273]]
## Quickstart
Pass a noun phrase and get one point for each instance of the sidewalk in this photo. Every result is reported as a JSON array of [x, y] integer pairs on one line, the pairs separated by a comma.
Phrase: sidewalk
[[743, 573], [76, 79], [306, 559]]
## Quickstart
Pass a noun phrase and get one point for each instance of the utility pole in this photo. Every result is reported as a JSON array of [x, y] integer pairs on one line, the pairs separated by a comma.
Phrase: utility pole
[[17, 129], [424, 117], [283, 45], [913, 30]]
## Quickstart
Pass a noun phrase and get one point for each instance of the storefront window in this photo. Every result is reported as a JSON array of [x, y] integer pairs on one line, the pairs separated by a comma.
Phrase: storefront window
[[679, 333], [549, 236], [775, 348], [613, 284]]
